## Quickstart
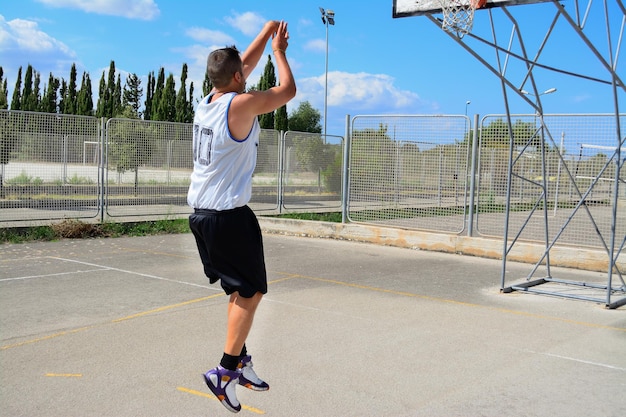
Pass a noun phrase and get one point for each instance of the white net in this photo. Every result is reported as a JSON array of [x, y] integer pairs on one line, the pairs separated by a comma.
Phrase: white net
[[458, 16]]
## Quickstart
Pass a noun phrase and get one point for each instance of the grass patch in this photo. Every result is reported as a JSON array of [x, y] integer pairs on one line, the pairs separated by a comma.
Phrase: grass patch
[[75, 229], [333, 217]]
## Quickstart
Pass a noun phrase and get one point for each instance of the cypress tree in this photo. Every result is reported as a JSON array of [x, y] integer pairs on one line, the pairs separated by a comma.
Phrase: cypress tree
[[207, 85], [117, 98], [16, 101], [49, 101], [29, 100], [110, 92], [167, 104], [70, 100], [100, 107], [147, 112], [181, 98], [63, 95], [36, 95], [281, 121], [267, 81], [4, 93], [84, 99], [190, 105], [158, 93]]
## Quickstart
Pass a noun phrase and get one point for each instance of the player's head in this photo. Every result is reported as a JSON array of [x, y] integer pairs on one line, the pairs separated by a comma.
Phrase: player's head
[[224, 64]]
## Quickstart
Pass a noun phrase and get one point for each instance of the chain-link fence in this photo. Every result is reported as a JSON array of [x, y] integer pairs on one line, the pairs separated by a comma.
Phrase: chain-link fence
[[563, 178], [312, 172], [55, 167], [49, 166], [147, 167], [410, 171]]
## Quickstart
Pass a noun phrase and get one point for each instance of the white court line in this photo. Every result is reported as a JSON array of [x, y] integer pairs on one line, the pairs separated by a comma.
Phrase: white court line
[[603, 365], [109, 268], [48, 275]]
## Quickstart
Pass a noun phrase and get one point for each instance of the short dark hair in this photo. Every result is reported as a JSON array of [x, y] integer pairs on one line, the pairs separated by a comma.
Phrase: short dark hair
[[222, 64]]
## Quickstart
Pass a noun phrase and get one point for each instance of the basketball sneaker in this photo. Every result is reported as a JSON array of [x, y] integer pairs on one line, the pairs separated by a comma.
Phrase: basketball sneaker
[[223, 383], [248, 377]]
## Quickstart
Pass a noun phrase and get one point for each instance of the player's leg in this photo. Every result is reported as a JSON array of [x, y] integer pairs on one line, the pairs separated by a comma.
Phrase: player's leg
[[243, 309], [241, 312]]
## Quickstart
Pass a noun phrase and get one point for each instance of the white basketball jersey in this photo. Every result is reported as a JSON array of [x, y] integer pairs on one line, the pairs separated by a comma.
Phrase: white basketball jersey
[[222, 165]]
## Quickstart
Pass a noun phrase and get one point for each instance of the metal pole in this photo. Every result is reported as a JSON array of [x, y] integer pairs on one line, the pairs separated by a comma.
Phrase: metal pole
[[346, 173], [473, 173], [326, 85]]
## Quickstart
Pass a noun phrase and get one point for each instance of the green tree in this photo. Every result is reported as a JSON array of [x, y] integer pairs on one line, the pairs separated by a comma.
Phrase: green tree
[[281, 120], [132, 94], [30, 101], [190, 111], [10, 124], [159, 86], [147, 111], [305, 119], [166, 110], [36, 96], [49, 101], [207, 85], [85, 97], [116, 104], [130, 143], [182, 107], [4, 93], [62, 95], [70, 100], [102, 91], [267, 81], [16, 101]]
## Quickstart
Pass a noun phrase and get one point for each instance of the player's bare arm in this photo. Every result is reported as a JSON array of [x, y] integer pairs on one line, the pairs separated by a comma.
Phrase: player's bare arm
[[246, 107]]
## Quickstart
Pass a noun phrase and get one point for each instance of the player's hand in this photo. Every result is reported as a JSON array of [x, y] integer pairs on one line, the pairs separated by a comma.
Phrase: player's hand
[[272, 26], [280, 39]]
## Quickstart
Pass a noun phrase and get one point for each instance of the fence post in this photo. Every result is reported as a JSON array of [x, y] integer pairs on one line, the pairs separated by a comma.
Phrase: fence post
[[472, 199], [101, 168], [346, 170]]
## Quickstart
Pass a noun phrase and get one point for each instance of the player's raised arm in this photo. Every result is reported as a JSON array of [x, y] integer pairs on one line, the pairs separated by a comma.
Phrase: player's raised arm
[[261, 102], [251, 56]]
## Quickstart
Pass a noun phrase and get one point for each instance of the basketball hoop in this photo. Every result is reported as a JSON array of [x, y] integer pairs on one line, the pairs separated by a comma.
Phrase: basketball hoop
[[458, 15]]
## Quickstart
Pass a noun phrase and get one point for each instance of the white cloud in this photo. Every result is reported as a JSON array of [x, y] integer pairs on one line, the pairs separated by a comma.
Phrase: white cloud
[[19, 34], [248, 23], [358, 91], [210, 36], [22, 43], [317, 45], [131, 9]]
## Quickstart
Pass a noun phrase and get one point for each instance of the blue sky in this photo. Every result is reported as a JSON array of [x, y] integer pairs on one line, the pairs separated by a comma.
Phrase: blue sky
[[376, 64]]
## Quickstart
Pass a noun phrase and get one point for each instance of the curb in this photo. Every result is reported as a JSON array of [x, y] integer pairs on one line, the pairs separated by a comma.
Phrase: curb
[[583, 258]]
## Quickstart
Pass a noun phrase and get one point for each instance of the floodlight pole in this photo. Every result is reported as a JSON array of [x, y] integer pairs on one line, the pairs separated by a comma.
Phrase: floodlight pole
[[328, 17], [467, 103]]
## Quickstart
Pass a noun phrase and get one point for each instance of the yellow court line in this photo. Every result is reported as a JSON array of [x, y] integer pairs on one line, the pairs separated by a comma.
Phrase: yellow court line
[[65, 375], [134, 316], [463, 303], [41, 339], [169, 307], [212, 397]]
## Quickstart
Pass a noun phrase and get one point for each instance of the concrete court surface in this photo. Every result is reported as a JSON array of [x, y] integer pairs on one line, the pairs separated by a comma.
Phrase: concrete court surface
[[126, 326]]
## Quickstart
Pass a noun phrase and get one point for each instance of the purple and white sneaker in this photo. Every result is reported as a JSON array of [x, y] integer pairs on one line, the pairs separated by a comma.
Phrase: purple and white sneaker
[[248, 377], [223, 383]]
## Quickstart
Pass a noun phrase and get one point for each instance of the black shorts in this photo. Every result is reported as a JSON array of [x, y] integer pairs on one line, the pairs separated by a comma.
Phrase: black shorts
[[231, 249]]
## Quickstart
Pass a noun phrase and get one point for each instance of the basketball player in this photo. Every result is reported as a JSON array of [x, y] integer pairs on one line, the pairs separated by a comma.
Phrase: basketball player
[[225, 142]]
